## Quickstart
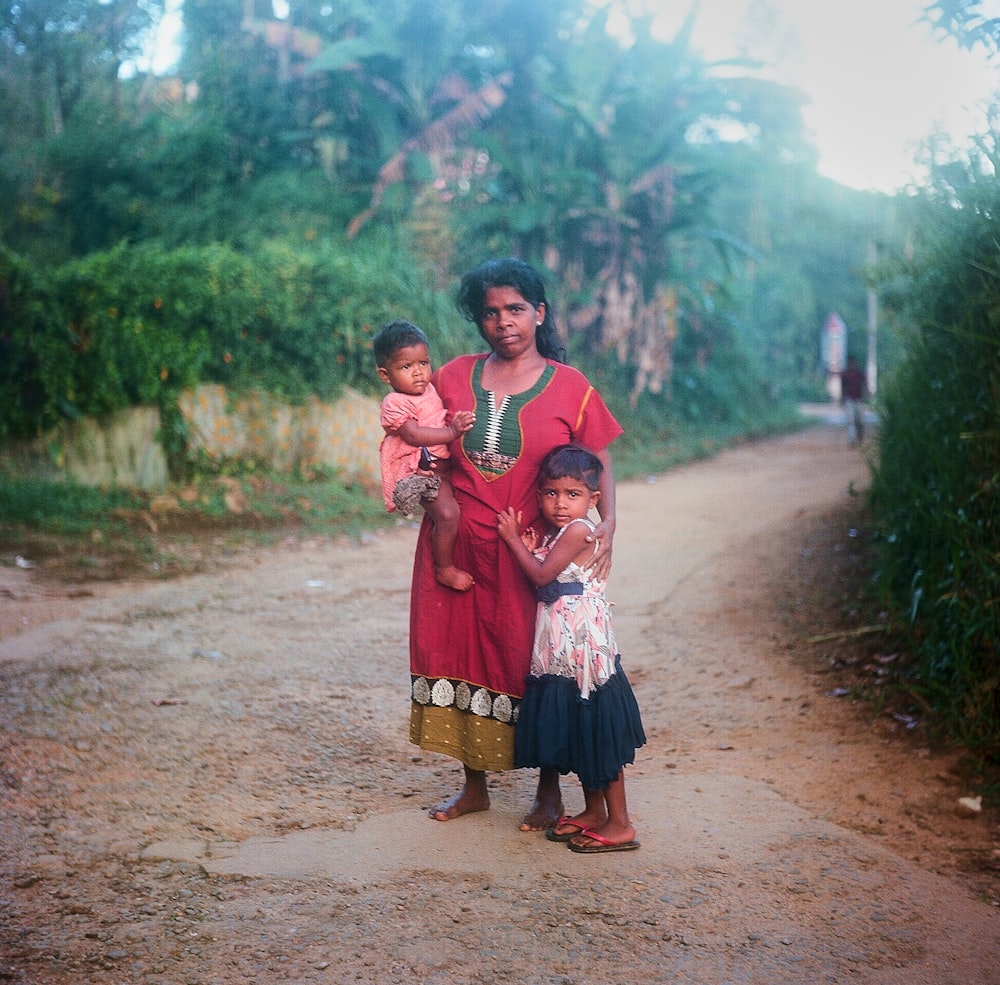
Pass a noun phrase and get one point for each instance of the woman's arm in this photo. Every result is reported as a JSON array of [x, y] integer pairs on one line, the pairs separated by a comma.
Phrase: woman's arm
[[605, 532]]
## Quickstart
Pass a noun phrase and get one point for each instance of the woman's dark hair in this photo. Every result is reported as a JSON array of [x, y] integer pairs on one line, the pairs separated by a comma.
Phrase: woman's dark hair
[[511, 272], [572, 462], [396, 335]]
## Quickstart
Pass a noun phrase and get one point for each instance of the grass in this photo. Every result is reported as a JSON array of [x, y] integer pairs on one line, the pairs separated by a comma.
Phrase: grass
[[81, 533]]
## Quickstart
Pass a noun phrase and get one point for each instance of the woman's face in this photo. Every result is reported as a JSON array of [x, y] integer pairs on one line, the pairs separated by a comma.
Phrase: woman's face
[[509, 322]]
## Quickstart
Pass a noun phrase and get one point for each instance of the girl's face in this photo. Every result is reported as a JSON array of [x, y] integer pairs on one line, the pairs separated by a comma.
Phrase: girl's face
[[565, 499], [509, 322], [408, 370]]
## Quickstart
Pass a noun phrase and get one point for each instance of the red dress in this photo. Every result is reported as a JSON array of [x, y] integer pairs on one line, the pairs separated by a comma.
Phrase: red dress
[[470, 652]]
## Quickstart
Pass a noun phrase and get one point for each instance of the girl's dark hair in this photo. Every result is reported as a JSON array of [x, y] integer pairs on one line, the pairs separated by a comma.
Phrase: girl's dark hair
[[511, 272], [395, 336], [571, 462]]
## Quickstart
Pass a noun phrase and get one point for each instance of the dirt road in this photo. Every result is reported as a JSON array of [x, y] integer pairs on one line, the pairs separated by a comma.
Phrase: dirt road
[[208, 780]]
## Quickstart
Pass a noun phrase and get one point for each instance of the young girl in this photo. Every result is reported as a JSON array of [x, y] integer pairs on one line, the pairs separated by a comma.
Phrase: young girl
[[578, 714], [413, 418]]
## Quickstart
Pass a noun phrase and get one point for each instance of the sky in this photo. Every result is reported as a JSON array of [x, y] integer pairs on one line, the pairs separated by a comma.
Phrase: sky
[[879, 82]]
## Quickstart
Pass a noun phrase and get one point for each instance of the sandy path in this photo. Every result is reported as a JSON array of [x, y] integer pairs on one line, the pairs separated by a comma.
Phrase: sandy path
[[208, 780]]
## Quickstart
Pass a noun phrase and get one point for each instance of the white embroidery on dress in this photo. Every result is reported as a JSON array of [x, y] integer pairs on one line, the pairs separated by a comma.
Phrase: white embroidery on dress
[[442, 694], [491, 441]]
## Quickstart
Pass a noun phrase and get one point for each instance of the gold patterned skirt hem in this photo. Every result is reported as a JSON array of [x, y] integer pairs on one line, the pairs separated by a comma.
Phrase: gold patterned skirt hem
[[479, 743]]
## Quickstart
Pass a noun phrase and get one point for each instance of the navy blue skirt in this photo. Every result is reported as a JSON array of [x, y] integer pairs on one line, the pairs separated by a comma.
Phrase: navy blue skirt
[[593, 737]]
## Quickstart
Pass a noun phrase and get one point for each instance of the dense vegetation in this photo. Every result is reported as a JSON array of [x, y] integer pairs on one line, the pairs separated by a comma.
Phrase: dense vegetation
[[936, 486], [935, 496], [250, 218]]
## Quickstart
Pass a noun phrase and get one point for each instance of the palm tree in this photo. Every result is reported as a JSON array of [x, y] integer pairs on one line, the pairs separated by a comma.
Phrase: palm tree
[[601, 183]]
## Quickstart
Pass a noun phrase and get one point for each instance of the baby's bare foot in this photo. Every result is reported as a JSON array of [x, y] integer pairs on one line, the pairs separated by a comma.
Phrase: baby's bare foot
[[454, 577]]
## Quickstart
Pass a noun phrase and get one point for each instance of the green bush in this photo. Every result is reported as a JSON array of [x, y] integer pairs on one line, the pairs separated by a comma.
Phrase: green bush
[[136, 325], [26, 318], [936, 486]]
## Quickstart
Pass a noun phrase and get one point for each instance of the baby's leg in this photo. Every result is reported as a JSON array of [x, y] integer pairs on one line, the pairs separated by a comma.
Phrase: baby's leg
[[445, 513]]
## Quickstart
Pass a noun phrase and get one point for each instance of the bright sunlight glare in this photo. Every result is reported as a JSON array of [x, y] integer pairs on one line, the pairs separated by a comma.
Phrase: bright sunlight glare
[[879, 82]]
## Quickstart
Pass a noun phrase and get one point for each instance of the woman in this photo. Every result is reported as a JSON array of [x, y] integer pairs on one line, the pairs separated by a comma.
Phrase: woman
[[470, 651]]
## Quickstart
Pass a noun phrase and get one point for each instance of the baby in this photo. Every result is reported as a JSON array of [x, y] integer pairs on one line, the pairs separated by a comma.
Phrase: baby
[[414, 452]]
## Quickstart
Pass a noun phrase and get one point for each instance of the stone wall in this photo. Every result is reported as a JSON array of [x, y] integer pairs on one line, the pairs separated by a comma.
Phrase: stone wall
[[344, 435], [124, 449], [121, 450]]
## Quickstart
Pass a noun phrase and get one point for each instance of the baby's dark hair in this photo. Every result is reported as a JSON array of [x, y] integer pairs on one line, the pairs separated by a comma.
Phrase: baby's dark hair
[[571, 462], [395, 336]]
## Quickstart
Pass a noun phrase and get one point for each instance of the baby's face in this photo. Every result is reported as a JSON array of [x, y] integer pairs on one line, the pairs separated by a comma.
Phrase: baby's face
[[408, 370]]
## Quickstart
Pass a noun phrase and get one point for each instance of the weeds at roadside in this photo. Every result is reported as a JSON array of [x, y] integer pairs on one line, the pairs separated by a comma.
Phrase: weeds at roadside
[[79, 533]]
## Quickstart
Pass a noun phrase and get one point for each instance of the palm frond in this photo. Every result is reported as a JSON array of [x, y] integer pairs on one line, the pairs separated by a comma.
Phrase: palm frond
[[438, 135]]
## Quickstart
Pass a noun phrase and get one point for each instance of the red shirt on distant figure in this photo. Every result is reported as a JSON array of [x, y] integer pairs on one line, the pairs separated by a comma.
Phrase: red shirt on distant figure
[[853, 391], [853, 384]]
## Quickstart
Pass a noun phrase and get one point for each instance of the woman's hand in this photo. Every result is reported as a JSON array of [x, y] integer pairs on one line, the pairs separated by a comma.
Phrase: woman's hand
[[600, 563]]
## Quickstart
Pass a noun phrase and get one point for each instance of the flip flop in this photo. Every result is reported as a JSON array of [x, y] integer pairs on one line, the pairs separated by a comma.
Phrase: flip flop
[[603, 844], [553, 835]]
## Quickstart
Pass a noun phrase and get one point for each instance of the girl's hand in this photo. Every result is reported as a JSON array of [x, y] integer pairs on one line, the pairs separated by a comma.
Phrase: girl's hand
[[530, 539], [509, 525], [600, 563]]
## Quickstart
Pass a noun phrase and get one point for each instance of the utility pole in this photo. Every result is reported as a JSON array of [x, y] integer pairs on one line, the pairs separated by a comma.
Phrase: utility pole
[[871, 365]]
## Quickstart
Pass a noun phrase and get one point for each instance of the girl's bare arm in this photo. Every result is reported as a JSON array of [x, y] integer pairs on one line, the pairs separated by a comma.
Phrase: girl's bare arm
[[570, 546]]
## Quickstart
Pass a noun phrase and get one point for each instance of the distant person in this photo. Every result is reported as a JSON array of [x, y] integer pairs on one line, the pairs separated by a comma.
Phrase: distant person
[[414, 451], [853, 393], [578, 714]]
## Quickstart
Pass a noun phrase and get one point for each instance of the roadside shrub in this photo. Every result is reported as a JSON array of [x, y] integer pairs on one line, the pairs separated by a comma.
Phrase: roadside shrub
[[936, 485], [137, 324], [26, 316]]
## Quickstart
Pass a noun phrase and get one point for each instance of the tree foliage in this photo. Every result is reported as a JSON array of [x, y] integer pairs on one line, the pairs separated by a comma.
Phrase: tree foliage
[[966, 21], [677, 251]]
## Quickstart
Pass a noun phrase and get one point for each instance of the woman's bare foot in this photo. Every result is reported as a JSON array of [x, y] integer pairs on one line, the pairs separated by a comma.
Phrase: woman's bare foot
[[473, 797], [453, 577]]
